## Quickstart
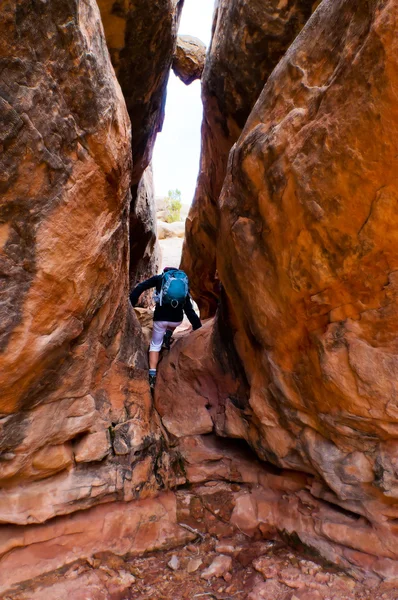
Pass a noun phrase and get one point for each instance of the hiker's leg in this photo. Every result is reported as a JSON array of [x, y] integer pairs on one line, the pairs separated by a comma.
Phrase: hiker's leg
[[153, 359], [159, 329]]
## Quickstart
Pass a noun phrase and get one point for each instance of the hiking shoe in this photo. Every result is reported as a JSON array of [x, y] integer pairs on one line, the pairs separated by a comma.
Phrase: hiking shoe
[[167, 338], [152, 381]]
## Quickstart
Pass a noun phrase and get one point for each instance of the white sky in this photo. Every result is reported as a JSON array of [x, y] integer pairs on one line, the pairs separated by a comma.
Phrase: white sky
[[177, 149]]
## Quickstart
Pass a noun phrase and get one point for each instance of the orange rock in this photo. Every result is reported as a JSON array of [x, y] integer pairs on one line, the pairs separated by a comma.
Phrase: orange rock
[[220, 565], [72, 359], [179, 417], [52, 458], [145, 253], [189, 59], [33, 551], [330, 384], [92, 447], [61, 158], [142, 44], [306, 236], [248, 40]]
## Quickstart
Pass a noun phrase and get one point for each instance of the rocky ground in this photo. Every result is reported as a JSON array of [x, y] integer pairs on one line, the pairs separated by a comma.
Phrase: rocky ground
[[238, 568], [231, 569]]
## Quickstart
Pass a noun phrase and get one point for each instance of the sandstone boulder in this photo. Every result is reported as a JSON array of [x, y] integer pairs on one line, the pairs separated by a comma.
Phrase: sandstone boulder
[[310, 280], [65, 185], [249, 38], [306, 255], [189, 59], [171, 230], [72, 359]]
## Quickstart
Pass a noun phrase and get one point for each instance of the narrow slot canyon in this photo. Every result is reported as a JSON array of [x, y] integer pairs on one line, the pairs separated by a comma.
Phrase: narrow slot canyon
[[265, 463]]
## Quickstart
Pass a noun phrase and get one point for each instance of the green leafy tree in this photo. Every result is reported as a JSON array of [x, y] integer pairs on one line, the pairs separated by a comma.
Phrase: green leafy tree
[[173, 206]]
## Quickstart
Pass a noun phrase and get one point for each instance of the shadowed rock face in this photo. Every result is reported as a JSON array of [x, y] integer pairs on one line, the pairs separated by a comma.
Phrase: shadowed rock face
[[142, 42], [249, 38], [145, 252], [307, 255], [141, 38]]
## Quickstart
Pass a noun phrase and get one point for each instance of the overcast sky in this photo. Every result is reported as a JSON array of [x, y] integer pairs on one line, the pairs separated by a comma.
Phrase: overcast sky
[[177, 149]]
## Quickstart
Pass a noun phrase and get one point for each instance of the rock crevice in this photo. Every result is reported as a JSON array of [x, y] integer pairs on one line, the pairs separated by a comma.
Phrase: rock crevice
[[278, 418]]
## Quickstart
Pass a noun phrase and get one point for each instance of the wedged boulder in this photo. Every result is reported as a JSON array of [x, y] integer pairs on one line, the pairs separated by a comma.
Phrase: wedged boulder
[[249, 38], [199, 367], [307, 256], [189, 59]]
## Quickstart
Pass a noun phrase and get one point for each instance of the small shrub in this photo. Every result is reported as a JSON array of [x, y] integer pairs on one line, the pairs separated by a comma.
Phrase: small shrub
[[173, 206]]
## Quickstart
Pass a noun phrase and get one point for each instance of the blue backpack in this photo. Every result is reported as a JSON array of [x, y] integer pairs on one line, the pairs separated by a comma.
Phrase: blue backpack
[[174, 288]]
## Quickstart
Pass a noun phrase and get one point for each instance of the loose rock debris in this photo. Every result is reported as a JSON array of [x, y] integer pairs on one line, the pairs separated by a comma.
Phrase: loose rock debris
[[243, 570]]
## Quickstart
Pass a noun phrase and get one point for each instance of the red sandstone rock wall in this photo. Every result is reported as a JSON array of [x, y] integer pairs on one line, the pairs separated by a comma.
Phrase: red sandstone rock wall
[[141, 38], [249, 38], [307, 255], [300, 362], [76, 424], [145, 252]]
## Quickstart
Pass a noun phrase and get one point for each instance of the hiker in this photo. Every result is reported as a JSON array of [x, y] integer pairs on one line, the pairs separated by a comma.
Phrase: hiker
[[172, 300]]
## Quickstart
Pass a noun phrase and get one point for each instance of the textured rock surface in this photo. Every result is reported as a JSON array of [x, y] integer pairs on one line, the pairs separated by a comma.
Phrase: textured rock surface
[[300, 362], [142, 42], [249, 38], [65, 186], [194, 370], [261, 569], [125, 529], [307, 257], [189, 59], [145, 254], [76, 423]]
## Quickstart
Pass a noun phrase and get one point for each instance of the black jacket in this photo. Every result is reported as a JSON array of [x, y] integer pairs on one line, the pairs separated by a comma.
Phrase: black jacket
[[166, 312]]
